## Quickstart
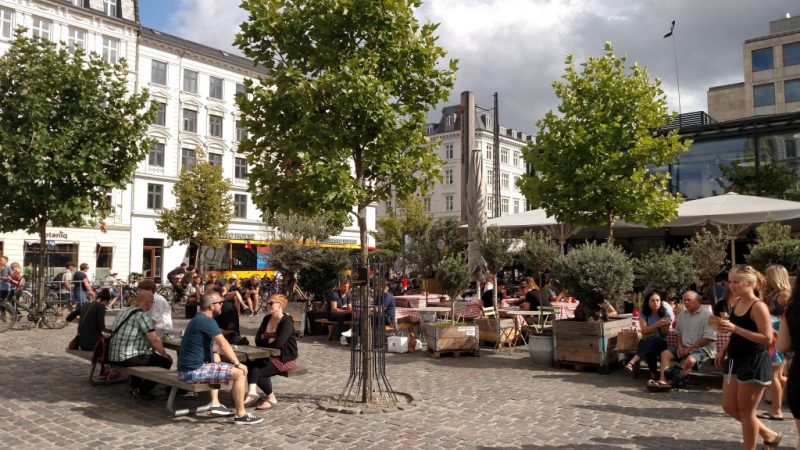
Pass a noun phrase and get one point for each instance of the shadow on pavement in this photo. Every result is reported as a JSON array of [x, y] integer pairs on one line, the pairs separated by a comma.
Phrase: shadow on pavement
[[638, 442]]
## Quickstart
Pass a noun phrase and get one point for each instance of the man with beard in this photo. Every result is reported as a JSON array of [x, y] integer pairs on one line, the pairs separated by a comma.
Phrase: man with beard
[[199, 360]]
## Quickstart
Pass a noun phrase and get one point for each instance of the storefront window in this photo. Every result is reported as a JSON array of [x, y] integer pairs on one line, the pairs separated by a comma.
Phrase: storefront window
[[58, 255]]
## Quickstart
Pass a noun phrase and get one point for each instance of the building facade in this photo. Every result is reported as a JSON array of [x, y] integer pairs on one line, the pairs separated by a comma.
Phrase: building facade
[[771, 76], [444, 200], [194, 87]]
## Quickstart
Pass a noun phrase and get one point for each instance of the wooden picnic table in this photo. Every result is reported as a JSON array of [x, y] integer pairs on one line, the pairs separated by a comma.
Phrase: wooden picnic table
[[243, 352]]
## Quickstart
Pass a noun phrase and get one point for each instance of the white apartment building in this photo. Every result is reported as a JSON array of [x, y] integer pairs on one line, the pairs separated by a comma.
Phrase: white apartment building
[[194, 87], [445, 198]]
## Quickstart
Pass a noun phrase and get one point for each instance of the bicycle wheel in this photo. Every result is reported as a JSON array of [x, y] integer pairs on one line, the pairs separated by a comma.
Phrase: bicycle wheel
[[25, 299], [53, 317], [8, 315]]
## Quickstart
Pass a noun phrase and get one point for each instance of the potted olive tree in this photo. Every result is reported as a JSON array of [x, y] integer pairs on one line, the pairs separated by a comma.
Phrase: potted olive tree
[[594, 274], [671, 272], [452, 277], [495, 248]]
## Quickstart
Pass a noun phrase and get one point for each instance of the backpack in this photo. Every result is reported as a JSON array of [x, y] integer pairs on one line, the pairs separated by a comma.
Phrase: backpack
[[59, 277]]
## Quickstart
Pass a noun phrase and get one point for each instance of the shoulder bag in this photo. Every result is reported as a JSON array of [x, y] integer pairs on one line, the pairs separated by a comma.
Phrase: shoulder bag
[[103, 345]]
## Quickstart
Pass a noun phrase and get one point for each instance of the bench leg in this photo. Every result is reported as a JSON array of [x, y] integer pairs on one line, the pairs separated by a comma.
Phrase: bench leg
[[101, 382], [173, 392], [332, 333]]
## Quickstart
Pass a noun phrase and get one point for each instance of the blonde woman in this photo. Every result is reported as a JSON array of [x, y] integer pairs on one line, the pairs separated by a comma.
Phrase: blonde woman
[[777, 293], [749, 368]]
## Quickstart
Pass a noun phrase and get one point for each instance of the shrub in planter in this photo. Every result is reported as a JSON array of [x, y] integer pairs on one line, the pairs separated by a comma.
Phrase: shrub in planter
[[668, 271], [594, 273], [785, 252], [453, 277]]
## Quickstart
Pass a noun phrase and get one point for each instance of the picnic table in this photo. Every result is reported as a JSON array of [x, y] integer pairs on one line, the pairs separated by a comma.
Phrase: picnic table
[[243, 352]]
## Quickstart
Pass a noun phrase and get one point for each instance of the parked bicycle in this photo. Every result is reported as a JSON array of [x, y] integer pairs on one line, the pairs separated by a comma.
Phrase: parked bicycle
[[23, 311]]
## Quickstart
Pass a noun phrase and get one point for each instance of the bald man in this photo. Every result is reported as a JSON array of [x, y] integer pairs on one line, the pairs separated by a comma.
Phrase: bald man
[[135, 343]]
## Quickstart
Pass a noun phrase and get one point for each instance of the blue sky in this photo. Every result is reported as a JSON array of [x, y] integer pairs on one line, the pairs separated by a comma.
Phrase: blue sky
[[156, 13]]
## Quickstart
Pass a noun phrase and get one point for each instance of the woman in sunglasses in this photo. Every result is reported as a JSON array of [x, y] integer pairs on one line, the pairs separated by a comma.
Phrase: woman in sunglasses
[[276, 331]]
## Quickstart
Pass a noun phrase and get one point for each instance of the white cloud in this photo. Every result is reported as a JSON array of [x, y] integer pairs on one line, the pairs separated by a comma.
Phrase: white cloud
[[517, 47]]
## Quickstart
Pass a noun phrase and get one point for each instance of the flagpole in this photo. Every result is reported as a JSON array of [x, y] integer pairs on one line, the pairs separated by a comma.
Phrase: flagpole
[[677, 75]]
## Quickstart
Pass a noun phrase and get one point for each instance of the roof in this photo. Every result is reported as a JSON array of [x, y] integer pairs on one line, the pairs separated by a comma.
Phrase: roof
[[200, 49], [748, 126], [483, 117]]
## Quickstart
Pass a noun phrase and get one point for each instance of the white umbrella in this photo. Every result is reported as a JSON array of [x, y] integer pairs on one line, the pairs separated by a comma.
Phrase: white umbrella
[[476, 213]]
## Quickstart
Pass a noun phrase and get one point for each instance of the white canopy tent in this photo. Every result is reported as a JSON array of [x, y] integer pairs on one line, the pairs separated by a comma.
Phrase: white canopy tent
[[536, 218], [734, 214]]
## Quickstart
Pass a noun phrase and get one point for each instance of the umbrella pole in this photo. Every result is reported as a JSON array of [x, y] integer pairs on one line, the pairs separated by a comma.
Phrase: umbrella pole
[[733, 252]]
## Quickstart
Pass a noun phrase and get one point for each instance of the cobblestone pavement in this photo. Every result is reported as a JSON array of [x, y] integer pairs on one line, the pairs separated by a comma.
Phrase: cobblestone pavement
[[493, 401]]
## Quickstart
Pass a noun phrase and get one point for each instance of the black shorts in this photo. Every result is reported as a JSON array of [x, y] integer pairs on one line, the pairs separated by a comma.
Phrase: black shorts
[[753, 369]]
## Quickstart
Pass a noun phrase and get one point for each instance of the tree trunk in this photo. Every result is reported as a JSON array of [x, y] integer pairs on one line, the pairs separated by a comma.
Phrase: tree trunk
[[41, 269], [364, 310]]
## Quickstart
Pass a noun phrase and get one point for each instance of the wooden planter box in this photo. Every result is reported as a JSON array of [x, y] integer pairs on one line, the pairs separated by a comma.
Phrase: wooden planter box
[[298, 311], [488, 330], [589, 343], [456, 339]]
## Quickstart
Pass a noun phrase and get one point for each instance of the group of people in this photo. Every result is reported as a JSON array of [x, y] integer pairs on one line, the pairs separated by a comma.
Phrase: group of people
[[340, 308], [205, 357], [12, 280], [190, 285], [761, 313]]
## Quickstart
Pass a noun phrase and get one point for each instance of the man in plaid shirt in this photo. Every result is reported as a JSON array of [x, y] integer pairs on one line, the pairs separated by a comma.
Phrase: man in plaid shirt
[[135, 343]]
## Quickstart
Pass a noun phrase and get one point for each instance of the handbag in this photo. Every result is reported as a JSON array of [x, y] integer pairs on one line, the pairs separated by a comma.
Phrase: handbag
[[103, 345]]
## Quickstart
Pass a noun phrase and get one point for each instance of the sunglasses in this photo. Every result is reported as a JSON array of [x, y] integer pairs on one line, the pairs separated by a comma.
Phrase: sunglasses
[[270, 303]]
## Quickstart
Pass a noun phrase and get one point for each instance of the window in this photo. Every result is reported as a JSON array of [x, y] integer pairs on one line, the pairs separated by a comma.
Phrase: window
[[215, 87], [240, 206], [490, 179], [110, 50], [487, 119], [505, 180], [448, 202], [240, 168], [791, 148], [105, 255], [791, 54], [161, 114], [490, 205], [764, 95], [489, 151], [188, 158], [516, 158], [215, 159], [41, 27], [158, 72], [504, 156], [450, 120], [155, 196], [427, 202], [110, 7], [448, 151], [516, 206], [76, 38], [215, 125], [77, 2], [6, 23], [762, 59], [448, 176], [516, 182], [241, 132], [190, 81], [504, 205], [240, 88], [792, 91], [190, 120], [156, 156]]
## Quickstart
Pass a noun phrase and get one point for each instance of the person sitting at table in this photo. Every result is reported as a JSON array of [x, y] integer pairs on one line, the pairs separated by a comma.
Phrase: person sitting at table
[[341, 306], [93, 320], [234, 292], [654, 322], [161, 313], [388, 306], [135, 343], [533, 298], [228, 320], [276, 331], [554, 293], [199, 362]]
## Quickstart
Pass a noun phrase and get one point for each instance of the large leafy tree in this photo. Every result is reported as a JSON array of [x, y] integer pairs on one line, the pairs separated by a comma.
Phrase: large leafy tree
[[337, 120], [592, 160], [203, 207], [69, 133]]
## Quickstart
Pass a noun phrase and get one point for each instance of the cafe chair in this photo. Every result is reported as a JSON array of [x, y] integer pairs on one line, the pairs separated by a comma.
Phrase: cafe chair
[[543, 320], [494, 329]]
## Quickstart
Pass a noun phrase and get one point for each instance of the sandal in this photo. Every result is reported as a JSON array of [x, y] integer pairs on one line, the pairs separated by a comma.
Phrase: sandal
[[768, 416], [773, 444], [264, 405], [250, 399]]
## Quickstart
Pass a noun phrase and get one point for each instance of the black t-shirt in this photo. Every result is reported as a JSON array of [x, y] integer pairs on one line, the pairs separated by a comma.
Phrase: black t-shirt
[[534, 299], [91, 324], [488, 302]]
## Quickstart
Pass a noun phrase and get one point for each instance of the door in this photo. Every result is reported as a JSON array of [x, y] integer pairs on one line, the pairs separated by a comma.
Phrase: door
[[153, 259]]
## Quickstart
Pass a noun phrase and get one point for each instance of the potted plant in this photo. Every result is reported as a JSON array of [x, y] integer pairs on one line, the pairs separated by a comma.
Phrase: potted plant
[[538, 253], [495, 246], [593, 273], [671, 272]]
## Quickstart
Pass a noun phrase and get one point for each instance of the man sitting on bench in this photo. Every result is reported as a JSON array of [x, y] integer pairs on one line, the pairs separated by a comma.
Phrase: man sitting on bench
[[695, 340], [199, 362], [135, 343]]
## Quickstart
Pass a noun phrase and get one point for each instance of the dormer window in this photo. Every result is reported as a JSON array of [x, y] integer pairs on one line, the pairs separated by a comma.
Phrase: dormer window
[[110, 7], [487, 119], [451, 120], [429, 129]]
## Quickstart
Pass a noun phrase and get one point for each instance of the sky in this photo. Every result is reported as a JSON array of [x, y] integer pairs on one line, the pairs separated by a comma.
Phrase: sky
[[517, 47]]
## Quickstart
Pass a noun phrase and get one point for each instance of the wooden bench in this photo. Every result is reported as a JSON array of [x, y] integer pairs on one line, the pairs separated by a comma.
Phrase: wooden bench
[[332, 327], [163, 376]]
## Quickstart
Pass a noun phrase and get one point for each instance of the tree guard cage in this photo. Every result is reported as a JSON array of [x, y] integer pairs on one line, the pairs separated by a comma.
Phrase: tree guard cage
[[367, 385]]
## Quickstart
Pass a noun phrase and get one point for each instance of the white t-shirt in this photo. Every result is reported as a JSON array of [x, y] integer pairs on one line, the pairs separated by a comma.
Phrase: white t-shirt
[[161, 313], [66, 279]]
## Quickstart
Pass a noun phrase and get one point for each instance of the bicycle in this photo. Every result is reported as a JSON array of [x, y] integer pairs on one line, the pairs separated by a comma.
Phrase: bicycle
[[22, 311], [266, 288]]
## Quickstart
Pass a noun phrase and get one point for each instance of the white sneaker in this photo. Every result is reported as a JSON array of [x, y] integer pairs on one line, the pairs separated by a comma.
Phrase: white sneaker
[[343, 340], [348, 333]]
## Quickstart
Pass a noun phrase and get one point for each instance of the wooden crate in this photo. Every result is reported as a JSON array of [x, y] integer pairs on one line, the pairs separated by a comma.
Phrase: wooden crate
[[591, 343], [488, 331], [446, 339]]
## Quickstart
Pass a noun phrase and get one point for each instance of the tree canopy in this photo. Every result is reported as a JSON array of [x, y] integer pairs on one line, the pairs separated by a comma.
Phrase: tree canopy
[[70, 131], [593, 160], [337, 120], [409, 218], [203, 207]]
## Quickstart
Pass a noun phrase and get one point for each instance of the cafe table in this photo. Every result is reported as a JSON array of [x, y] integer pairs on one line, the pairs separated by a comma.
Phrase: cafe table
[[428, 313], [243, 352]]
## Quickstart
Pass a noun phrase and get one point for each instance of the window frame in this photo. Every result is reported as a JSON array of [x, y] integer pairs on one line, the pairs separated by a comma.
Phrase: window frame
[[240, 206], [449, 151], [110, 52], [786, 90], [215, 125], [212, 87], [155, 196], [753, 58], [189, 122], [241, 132], [40, 30], [110, 8], [188, 158], [755, 97], [156, 156], [449, 176], [158, 72], [160, 118], [794, 48], [190, 80], [72, 39], [7, 23], [239, 168], [449, 202], [215, 159]]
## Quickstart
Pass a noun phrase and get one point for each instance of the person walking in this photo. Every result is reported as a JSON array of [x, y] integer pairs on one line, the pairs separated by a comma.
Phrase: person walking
[[789, 340], [749, 368], [777, 295]]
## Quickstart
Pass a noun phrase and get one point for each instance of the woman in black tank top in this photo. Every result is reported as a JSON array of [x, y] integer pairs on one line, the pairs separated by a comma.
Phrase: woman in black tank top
[[749, 368]]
